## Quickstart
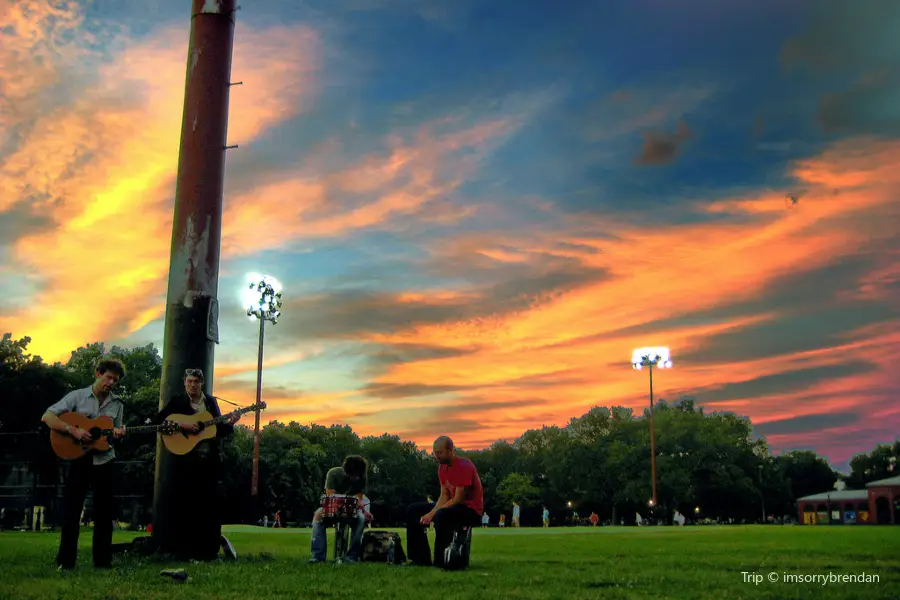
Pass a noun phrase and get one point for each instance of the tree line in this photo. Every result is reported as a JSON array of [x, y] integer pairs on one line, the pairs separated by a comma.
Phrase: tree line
[[599, 462]]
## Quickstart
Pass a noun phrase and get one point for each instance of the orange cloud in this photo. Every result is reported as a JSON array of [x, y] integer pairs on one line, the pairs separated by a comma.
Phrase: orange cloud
[[225, 370], [412, 175], [659, 273], [102, 165]]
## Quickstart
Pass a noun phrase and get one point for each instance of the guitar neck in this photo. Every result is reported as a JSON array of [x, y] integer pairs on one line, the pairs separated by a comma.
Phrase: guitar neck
[[143, 428], [224, 418], [139, 429]]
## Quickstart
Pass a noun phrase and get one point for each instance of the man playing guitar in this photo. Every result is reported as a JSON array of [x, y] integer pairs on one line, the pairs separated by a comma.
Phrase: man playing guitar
[[94, 469], [198, 525]]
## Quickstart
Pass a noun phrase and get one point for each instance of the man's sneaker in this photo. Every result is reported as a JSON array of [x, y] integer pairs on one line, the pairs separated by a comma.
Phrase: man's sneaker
[[179, 575], [315, 561]]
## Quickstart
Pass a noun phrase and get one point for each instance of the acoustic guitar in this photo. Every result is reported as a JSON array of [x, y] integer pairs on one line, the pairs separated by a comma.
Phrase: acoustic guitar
[[101, 428], [180, 441]]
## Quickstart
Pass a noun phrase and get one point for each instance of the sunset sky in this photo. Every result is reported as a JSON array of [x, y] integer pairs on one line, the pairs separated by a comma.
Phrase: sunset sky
[[478, 208]]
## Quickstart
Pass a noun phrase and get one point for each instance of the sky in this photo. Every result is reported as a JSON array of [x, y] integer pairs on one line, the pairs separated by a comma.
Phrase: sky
[[479, 208]]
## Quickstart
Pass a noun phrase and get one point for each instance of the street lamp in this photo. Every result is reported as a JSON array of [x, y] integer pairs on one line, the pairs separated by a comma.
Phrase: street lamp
[[262, 299], [651, 357]]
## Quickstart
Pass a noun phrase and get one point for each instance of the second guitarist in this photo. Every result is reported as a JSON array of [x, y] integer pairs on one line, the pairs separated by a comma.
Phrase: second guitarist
[[196, 521]]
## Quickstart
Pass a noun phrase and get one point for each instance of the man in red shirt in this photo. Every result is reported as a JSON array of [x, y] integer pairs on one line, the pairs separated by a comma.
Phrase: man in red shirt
[[461, 503]]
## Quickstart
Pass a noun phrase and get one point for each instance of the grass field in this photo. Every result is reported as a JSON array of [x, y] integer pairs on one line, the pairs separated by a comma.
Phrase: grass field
[[570, 563]]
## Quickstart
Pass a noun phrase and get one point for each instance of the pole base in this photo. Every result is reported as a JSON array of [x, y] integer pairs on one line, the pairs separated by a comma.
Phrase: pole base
[[139, 546]]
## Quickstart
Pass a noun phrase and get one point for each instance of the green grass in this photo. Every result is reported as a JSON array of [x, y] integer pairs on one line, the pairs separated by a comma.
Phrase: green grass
[[570, 563]]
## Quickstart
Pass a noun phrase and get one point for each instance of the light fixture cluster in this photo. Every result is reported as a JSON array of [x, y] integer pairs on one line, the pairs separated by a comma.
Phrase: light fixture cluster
[[266, 303], [651, 357]]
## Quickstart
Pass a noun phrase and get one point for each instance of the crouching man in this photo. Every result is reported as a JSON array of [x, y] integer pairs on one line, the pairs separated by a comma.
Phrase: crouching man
[[350, 480], [461, 503]]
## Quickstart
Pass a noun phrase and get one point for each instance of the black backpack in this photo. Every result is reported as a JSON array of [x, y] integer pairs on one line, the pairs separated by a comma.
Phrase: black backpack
[[382, 546]]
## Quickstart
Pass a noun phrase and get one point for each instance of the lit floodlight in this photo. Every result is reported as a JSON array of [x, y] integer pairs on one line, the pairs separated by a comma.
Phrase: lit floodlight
[[651, 357], [262, 297]]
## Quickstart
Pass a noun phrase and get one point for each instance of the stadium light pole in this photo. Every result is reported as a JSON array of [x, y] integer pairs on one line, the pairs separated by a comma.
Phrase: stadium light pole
[[262, 300], [651, 357]]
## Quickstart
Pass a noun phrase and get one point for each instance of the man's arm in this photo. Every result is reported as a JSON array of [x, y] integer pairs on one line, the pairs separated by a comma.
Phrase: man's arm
[[119, 422], [55, 423], [51, 415], [458, 498], [330, 483], [119, 419], [443, 500], [441, 503]]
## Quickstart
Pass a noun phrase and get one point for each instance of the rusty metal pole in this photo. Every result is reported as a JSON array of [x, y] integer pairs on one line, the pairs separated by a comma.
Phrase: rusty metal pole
[[191, 306]]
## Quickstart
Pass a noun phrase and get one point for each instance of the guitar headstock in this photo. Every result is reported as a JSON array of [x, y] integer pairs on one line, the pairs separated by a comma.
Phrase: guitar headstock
[[259, 405]]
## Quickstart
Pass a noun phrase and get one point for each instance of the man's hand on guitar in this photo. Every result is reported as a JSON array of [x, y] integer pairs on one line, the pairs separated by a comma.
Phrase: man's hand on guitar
[[80, 434], [192, 427], [232, 419], [119, 433]]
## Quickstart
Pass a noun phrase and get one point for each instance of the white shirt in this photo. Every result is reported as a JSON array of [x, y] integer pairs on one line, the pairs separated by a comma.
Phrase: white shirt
[[84, 402]]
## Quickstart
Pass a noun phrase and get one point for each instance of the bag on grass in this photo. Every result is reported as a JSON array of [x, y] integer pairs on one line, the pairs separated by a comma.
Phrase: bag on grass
[[382, 546]]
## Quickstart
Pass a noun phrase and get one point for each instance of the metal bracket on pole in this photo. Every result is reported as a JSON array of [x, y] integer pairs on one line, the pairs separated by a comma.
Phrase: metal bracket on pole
[[236, 83], [230, 147]]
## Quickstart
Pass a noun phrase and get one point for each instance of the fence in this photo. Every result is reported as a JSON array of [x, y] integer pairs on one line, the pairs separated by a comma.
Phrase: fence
[[32, 489]]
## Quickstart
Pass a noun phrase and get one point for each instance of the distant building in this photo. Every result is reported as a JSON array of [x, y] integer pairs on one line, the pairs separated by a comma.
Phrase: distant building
[[878, 504]]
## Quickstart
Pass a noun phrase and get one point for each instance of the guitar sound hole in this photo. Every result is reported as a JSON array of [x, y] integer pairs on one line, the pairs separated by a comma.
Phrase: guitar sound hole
[[95, 433]]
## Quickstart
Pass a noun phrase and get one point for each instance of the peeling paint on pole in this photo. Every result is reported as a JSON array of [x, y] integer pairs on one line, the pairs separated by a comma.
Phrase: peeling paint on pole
[[212, 6], [191, 305], [190, 266]]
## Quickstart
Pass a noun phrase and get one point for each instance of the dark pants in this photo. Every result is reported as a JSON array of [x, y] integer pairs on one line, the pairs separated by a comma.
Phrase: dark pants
[[196, 516], [83, 474], [446, 520]]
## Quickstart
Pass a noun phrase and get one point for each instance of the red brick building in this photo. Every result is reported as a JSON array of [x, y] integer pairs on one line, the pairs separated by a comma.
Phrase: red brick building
[[878, 504]]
